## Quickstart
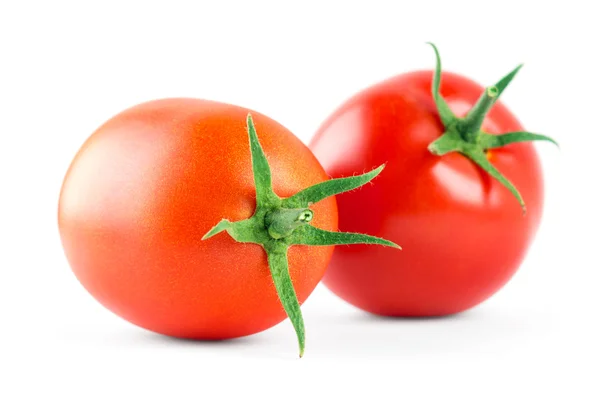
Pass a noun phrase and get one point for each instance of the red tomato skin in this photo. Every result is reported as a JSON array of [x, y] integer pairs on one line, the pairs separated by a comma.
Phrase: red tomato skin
[[463, 234], [145, 188]]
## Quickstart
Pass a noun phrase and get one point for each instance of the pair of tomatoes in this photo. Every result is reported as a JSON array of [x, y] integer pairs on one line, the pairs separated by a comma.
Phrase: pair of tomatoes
[[153, 180]]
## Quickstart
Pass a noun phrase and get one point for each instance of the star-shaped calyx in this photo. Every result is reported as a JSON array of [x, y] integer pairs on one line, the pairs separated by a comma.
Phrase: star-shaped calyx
[[464, 135], [279, 223]]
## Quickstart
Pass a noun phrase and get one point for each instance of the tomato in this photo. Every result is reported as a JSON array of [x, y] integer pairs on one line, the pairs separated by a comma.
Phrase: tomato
[[146, 187], [463, 233]]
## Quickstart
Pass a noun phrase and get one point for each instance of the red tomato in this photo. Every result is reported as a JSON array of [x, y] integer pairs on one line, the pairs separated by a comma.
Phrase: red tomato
[[146, 187], [463, 233]]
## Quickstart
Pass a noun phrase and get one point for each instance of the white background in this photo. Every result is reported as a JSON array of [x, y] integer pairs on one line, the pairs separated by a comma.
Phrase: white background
[[65, 67]]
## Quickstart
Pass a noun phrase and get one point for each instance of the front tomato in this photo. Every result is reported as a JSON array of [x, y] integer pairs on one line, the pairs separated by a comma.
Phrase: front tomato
[[463, 232], [147, 196], [146, 187]]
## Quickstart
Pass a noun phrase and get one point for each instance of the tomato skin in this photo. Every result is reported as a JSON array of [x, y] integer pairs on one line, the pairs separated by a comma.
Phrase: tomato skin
[[463, 234], [145, 188]]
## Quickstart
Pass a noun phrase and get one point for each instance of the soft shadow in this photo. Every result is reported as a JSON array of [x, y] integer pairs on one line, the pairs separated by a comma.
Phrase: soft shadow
[[263, 344], [155, 338], [367, 317], [350, 333], [357, 334]]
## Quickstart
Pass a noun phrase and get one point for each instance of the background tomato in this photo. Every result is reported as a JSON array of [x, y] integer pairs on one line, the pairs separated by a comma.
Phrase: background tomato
[[462, 232], [146, 187]]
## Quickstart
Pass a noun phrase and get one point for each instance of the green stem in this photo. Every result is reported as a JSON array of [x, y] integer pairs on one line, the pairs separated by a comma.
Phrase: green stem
[[471, 125], [279, 223], [311, 236], [464, 135], [278, 264], [444, 111], [320, 191], [284, 221]]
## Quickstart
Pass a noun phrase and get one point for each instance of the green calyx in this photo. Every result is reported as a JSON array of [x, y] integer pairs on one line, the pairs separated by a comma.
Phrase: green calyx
[[280, 223], [464, 135]]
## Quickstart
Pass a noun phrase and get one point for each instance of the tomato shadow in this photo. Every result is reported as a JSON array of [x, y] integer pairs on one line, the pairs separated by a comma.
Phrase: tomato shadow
[[155, 338], [349, 333], [356, 334], [258, 345], [410, 319]]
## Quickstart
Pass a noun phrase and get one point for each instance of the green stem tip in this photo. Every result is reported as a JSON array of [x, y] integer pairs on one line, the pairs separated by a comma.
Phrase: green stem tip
[[279, 223], [464, 135]]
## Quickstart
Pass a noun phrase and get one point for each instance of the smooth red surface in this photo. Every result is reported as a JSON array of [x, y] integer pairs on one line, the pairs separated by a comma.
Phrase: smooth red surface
[[145, 188], [462, 232]]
